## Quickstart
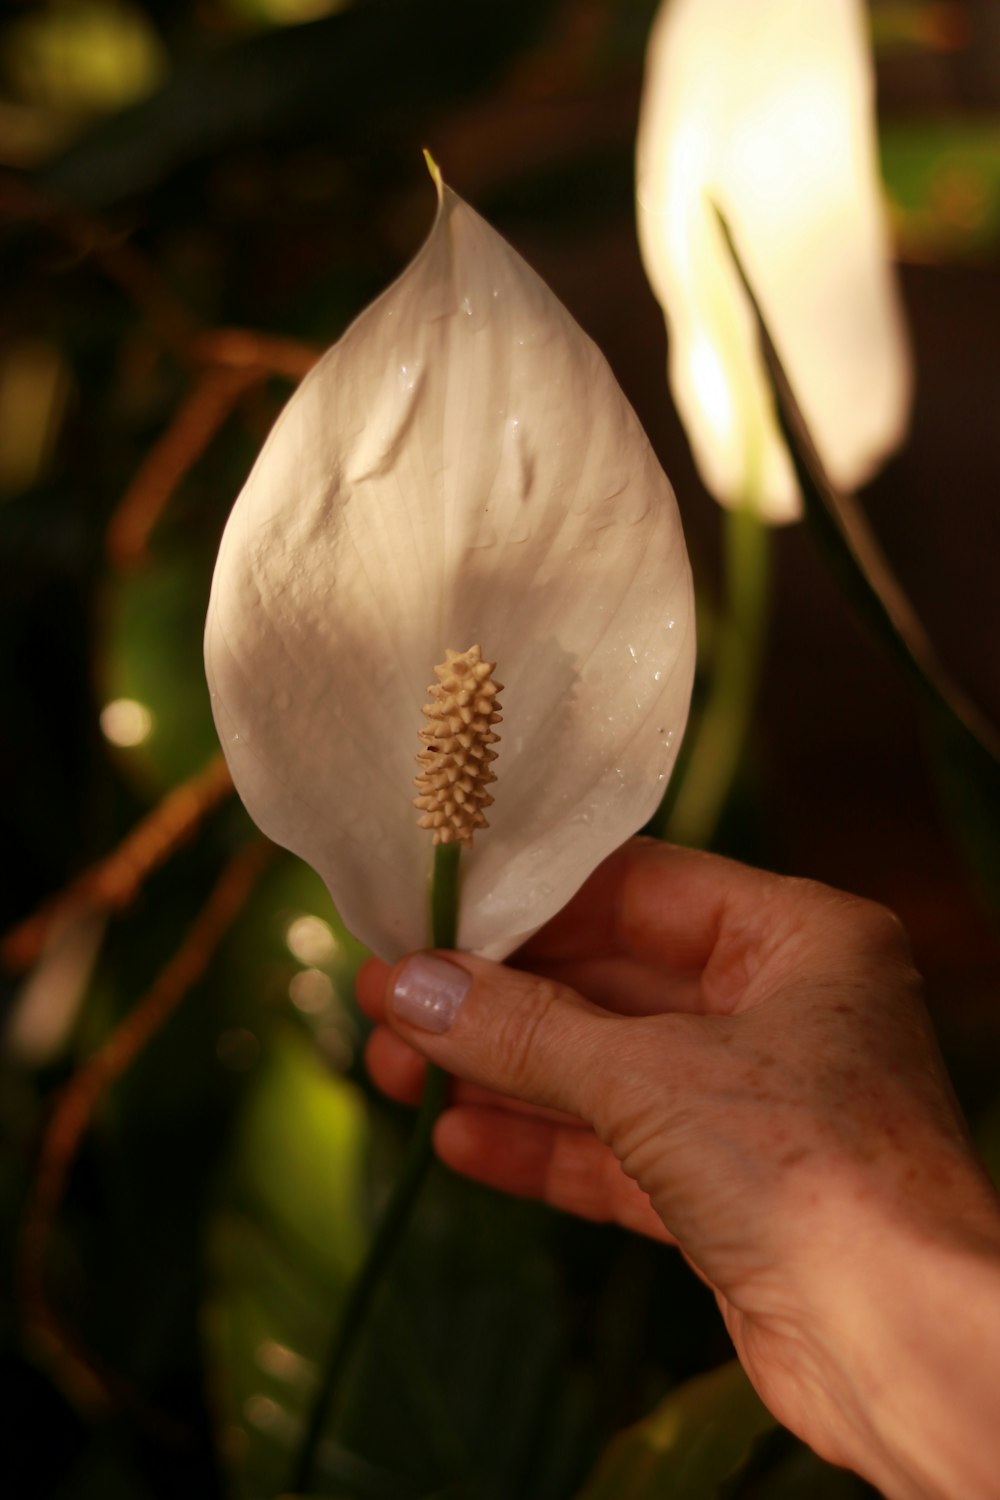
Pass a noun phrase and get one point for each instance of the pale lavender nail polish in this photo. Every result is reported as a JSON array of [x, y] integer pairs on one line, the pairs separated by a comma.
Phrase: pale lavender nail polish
[[429, 992]]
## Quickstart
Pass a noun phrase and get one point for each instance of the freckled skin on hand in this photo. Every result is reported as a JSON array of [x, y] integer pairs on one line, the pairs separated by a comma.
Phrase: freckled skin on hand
[[742, 1065]]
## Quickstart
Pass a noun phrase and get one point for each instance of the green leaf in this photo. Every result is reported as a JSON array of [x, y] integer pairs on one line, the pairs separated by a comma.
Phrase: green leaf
[[943, 178], [687, 1449], [288, 1234], [467, 1350], [968, 744], [783, 1468], [968, 780], [842, 532], [278, 956]]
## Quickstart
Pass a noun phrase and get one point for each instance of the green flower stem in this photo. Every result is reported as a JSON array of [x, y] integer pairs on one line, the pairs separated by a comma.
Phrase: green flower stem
[[444, 896], [444, 926], [722, 731]]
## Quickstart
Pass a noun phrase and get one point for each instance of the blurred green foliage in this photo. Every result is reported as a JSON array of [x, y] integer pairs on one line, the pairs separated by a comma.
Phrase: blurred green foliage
[[944, 184], [189, 166], [695, 1441]]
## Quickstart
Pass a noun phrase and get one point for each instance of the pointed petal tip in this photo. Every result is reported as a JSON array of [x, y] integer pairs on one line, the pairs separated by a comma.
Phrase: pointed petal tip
[[435, 172], [448, 201]]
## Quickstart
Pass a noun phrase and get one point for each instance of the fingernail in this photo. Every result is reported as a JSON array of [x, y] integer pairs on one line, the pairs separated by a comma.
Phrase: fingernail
[[429, 992]]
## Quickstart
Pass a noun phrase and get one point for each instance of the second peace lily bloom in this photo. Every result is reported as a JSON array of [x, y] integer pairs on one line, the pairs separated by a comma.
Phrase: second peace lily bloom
[[764, 110], [461, 470]]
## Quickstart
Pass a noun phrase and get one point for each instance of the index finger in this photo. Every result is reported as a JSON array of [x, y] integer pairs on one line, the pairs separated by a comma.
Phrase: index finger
[[656, 903]]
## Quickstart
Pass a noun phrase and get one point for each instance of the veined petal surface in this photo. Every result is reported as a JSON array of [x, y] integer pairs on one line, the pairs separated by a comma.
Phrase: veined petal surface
[[767, 111], [461, 468]]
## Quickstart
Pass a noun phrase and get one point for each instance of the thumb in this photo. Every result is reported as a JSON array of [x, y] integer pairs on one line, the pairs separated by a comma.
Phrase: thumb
[[506, 1030]]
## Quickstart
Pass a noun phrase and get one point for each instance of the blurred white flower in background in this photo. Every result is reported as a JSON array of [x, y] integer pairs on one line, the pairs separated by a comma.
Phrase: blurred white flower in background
[[765, 108]]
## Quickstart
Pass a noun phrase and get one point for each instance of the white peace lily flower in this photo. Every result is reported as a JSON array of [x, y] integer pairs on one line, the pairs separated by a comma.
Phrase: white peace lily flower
[[767, 111], [460, 470]]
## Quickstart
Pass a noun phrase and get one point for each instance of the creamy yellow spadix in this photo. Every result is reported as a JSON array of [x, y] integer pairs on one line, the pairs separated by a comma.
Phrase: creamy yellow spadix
[[460, 471], [455, 763]]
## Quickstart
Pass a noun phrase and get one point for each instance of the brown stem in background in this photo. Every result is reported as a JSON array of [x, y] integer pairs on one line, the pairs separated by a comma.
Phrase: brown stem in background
[[242, 348], [113, 883], [175, 326], [226, 362], [83, 1376], [236, 360], [189, 434]]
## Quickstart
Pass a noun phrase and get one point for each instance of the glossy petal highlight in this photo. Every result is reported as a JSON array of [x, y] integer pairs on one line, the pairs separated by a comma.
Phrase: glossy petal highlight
[[767, 111], [460, 469]]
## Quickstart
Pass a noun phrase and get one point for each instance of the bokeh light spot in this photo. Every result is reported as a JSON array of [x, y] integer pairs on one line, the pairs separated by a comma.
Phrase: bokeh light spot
[[310, 940], [126, 722]]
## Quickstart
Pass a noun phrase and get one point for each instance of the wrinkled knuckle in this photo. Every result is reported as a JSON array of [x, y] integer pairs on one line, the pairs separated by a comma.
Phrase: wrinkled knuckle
[[622, 1097], [803, 890], [516, 1045], [878, 927], [862, 923]]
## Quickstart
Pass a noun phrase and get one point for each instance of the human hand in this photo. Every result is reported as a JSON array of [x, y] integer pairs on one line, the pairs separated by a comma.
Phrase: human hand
[[739, 1063]]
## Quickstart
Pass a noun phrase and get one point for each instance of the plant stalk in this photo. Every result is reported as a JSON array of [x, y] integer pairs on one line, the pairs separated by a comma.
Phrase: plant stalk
[[443, 931], [724, 726]]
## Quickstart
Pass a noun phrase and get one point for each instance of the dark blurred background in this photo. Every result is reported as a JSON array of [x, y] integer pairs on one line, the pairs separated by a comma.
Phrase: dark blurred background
[[174, 174]]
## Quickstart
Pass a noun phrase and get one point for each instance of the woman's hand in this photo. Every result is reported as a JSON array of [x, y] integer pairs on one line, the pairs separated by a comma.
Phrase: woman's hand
[[740, 1064]]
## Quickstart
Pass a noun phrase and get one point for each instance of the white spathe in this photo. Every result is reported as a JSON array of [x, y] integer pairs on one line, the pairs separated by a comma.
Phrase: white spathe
[[766, 109], [460, 469]]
